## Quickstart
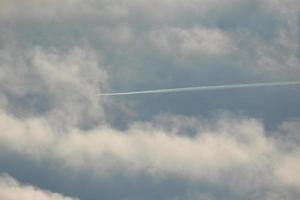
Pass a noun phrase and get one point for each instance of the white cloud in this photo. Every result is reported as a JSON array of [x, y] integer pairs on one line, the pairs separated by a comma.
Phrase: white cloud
[[60, 85], [194, 42], [33, 8], [178, 31], [145, 148], [235, 152], [154, 11], [287, 8], [280, 56], [10, 189], [288, 170]]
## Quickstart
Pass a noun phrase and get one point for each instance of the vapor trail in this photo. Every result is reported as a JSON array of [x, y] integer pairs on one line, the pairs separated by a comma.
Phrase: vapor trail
[[202, 88]]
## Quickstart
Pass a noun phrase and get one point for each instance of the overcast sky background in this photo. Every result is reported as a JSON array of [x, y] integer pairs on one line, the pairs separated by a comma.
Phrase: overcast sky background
[[60, 141]]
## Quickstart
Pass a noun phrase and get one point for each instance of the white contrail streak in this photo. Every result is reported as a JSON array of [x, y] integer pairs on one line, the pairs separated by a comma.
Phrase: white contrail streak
[[202, 88]]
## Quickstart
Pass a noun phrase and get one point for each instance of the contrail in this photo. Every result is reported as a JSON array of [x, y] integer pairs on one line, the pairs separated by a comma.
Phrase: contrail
[[202, 88]]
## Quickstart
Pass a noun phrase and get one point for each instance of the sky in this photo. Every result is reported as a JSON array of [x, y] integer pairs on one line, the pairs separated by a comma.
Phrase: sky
[[60, 140]]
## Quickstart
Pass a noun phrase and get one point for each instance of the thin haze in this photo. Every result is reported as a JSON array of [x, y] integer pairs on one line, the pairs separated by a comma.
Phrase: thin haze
[[202, 88]]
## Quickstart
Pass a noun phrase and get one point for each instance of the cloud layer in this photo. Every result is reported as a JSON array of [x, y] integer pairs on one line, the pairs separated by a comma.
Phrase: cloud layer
[[55, 56]]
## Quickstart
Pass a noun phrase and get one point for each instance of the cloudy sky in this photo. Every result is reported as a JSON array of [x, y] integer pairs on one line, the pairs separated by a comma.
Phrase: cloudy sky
[[60, 141]]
